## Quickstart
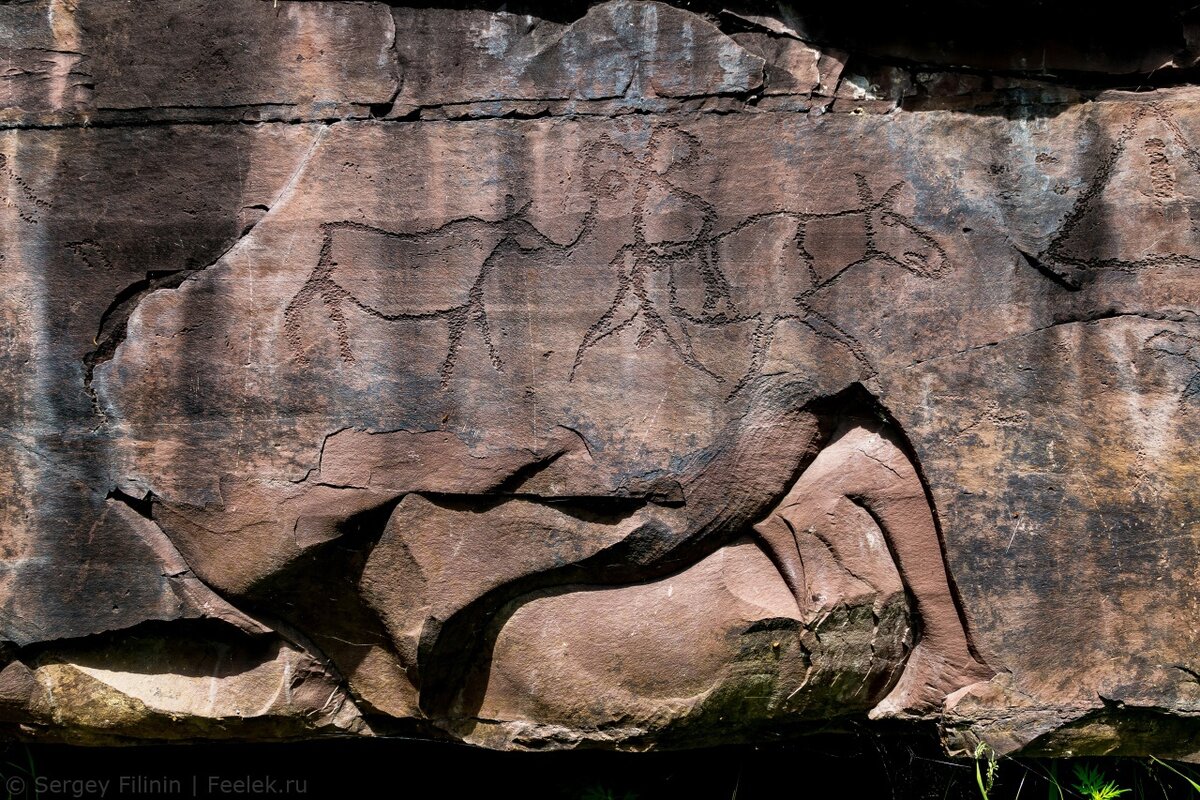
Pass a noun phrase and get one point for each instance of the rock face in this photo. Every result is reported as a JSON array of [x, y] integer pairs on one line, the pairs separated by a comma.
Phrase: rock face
[[634, 376]]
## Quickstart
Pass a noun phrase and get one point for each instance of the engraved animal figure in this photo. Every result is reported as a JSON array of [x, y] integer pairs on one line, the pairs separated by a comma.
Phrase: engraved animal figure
[[406, 279], [772, 267], [1144, 165], [679, 279], [437, 274]]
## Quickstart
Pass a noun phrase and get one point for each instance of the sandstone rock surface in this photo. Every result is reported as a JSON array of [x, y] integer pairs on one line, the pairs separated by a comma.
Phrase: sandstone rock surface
[[652, 375]]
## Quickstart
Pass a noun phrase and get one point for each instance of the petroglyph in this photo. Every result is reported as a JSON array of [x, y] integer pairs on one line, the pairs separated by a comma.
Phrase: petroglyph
[[17, 194], [677, 276], [438, 274], [1152, 183], [768, 268]]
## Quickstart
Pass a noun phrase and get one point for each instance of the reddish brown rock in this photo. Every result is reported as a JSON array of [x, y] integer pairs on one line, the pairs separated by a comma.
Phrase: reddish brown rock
[[658, 377], [200, 686], [722, 651], [69, 63], [631, 51]]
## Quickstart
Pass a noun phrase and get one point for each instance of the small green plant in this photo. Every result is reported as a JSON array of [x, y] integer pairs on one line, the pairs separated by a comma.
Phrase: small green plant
[[1093, 786], [986, 778]]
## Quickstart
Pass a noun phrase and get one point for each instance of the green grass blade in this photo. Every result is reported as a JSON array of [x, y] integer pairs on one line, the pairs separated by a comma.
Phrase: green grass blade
[[1160, 762]]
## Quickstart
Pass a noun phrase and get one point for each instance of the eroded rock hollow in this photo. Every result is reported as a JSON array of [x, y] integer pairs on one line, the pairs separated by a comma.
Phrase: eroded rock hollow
[[621, 374]]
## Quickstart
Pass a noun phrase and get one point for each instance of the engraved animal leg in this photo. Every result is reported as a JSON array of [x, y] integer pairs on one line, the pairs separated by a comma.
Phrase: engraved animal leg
[[323, 289]]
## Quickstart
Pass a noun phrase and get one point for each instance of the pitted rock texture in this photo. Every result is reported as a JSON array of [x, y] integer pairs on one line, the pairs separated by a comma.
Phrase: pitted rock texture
[[619, 374]]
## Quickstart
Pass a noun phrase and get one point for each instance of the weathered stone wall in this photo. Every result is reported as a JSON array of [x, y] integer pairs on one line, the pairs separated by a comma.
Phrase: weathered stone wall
[[630, 375]]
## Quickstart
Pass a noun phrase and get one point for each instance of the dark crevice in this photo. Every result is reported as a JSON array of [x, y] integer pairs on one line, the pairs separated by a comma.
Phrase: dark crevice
[[603, 509], [380, 110], [1192, 673], [143, 506], [412, 115], [730, 23], [179, 631], [515, 114], [620, 500], [366, 527], [774, 624], [114, 322], [512, 484], [1055, 277]]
